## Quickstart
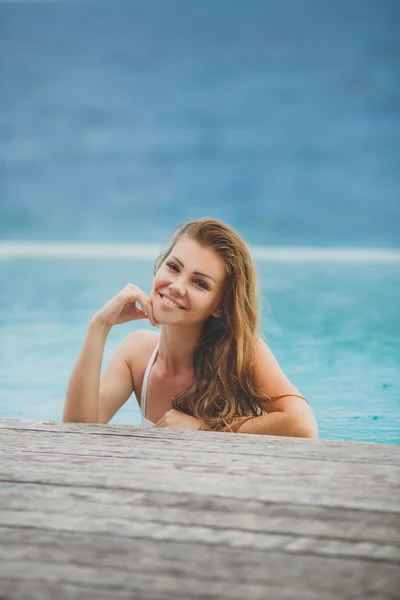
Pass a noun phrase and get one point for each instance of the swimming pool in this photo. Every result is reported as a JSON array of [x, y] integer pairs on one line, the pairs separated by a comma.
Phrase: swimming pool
[[333, 325]]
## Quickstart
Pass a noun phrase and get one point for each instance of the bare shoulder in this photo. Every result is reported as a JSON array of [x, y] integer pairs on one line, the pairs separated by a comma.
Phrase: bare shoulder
[[261, 347], [272, 381], [265, 359], [142, 338], [139, 347], [140, 344], [286, 398]]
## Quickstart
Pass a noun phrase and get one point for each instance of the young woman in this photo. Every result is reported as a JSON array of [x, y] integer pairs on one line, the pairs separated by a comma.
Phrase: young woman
[[207, 368]]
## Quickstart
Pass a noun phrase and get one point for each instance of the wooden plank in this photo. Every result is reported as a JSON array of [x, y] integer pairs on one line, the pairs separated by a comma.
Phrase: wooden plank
[[222, 442], [212, 512], [67, 448], [188, 568], [184, 442], [114, 511], [64, 590], [336, 484], [213, 536]]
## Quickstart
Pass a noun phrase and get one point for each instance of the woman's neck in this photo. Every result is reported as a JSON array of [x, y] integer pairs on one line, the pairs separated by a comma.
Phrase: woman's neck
[[176, 347]]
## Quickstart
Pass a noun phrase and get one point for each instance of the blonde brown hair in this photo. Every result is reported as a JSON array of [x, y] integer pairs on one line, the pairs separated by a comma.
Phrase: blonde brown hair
[[224, 391]]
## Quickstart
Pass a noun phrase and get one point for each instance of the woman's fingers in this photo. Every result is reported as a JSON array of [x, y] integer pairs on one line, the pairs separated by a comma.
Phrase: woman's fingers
[[140, 310], [151, 314], [142, 302], [165, 420], [146, 308], [141, 299], [130, 304]]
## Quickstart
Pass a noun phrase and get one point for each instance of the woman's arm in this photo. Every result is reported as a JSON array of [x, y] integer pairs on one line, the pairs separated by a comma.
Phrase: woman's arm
[[289, 424], [82, 397], [288, 416], [87, 399]]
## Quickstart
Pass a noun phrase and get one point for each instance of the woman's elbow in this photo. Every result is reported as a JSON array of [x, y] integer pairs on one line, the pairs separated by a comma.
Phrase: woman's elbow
[[70, 417], [306, 428], [300, 423]]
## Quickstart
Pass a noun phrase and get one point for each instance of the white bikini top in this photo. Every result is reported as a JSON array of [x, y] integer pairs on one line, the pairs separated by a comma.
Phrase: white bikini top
[[146, 422]]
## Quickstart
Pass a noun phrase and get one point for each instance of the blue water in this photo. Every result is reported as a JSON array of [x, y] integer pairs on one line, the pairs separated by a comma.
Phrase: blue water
[[334, 329], [120, 119]]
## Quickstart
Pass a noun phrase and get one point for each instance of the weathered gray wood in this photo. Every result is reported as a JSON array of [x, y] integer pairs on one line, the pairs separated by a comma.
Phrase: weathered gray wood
[[213, 512], [213, 536], [73, 447], [189, 568], [280, 480], [94, 511], [220, 442], [131, 442]]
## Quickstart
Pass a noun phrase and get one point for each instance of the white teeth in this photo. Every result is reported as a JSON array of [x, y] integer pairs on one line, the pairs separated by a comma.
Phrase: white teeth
[[170, 302]]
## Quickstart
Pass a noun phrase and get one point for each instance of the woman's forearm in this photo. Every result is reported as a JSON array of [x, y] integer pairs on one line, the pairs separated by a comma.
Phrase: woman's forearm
[[282, 423], [82, 397]]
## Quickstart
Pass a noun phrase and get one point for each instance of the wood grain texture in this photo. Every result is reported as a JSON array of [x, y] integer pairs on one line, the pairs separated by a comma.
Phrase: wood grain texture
[[221, 442], [105, 511]]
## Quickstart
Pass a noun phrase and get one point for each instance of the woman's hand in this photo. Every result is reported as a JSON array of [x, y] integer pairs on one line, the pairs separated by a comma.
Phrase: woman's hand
[[124, 307], [175, 419]]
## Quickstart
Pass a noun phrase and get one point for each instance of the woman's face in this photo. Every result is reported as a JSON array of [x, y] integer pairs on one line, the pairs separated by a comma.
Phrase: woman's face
[[188, 286]]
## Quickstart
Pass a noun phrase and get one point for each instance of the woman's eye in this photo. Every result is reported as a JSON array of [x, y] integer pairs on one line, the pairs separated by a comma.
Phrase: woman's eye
[[198, 282], [172, 266]]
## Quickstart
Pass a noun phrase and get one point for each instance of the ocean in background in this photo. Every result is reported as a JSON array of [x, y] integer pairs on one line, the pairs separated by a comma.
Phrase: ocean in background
[[120, 119]]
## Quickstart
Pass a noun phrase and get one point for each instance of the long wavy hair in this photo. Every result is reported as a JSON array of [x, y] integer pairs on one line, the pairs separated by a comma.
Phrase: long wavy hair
[[224, 391]]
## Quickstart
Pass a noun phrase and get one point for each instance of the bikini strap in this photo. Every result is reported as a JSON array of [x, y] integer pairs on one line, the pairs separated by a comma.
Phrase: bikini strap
[[284, 396], [143, 394]]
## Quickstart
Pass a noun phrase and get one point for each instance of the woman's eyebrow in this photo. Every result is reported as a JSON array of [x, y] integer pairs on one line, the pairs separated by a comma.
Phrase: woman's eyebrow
[[194, 272]]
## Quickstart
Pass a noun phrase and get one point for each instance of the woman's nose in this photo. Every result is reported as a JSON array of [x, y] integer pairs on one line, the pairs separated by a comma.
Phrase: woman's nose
[[177, 286]]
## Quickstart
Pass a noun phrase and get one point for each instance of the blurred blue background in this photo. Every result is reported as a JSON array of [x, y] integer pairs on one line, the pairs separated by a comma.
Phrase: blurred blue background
[[120, 119]]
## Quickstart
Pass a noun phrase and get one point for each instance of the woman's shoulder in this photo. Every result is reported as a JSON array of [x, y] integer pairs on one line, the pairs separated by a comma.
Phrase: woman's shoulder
[[141, 342], [139, 346], [143, 336]]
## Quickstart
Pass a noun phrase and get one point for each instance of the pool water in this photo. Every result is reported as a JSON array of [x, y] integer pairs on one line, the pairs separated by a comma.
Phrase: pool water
[[334, 328]]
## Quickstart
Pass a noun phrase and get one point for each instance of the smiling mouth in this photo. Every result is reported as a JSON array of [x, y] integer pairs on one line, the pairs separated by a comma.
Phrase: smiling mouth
[[171, 302]]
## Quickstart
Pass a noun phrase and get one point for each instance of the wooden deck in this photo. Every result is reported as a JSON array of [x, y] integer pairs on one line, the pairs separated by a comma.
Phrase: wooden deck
[[113, 512]]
